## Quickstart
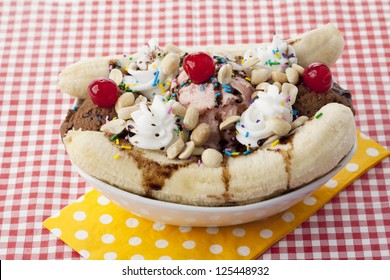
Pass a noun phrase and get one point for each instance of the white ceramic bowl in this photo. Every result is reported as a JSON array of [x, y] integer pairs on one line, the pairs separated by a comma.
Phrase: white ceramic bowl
[[198, 216]]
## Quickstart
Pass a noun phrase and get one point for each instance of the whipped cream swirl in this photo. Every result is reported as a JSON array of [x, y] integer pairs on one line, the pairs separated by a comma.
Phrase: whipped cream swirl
[[252, 126], [147, 78], [153, 126], [275, 56]]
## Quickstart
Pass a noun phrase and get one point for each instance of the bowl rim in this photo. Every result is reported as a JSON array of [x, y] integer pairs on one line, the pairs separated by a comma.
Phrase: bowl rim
[[308, 188]]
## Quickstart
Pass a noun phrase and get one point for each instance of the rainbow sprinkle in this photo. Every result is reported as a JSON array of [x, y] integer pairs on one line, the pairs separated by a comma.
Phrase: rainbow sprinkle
[[276, 142], [126, 147], [161, 88], [156, 78], [319, 115], [117, 156], [228, 153], [114, 137]]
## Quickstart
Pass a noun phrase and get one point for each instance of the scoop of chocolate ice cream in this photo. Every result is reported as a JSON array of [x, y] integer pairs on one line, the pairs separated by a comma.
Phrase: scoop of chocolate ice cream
[[87, 117], [308, 102]]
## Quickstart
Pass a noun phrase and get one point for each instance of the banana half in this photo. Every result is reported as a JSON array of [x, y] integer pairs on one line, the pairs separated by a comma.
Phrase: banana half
[[315, 149]]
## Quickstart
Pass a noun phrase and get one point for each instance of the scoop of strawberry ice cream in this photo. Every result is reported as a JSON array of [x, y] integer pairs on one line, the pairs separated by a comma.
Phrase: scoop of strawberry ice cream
[[215, 102]]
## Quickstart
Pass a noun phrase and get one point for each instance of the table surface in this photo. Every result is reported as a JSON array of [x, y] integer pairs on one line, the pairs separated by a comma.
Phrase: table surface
[[39, 38]]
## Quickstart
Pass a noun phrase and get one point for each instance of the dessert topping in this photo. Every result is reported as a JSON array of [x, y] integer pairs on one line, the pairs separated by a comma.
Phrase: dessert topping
[[229, 122], [187, 151], [299, 68], [116, 75], [279, 77], [114, 126], [318, 78], [199, 66], [103, 92], [152, 71], [255, 123], [201, 134], [125, 112], [191, 118], [175, 149], [125, 100], [299, 122], [225, 74], [153, 126], [170, 64], [259, 76], [212, 158], [276, 56], [292, 75]]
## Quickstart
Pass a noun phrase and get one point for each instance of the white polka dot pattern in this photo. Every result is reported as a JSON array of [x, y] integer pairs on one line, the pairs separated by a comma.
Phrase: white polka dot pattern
[[84, 253], [132, 222], [239, 232], [158, 226], [331, 183], [352, 167], [212, 230], [243, 251], [189, 244], [81, 235], [56, 231], [162, 243], [310, 200], [288, 217], [137, 257], [216, 249], [108, 238], [266, 233], [102, 200], [79, 215], [372, 152], [135, 241], [105, 219], [110, 256]]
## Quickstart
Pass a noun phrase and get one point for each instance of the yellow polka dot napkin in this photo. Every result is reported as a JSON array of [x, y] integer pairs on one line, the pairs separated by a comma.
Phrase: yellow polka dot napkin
[[99, 229]]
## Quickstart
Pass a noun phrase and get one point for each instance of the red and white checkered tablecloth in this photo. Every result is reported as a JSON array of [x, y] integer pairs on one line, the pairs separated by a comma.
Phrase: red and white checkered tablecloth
[[39, 38]]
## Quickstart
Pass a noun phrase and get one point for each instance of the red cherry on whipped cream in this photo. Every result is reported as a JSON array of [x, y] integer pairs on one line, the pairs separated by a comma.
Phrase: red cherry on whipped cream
[[199, 66], [103, 92], [317, 77]]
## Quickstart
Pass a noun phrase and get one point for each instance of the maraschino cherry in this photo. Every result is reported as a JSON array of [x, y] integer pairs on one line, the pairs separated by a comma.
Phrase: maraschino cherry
[[103, 92], [317, 77], [199, 66]]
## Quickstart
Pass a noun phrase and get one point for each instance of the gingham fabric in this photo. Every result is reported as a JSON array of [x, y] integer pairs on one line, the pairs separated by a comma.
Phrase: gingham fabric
[[39, 38]]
